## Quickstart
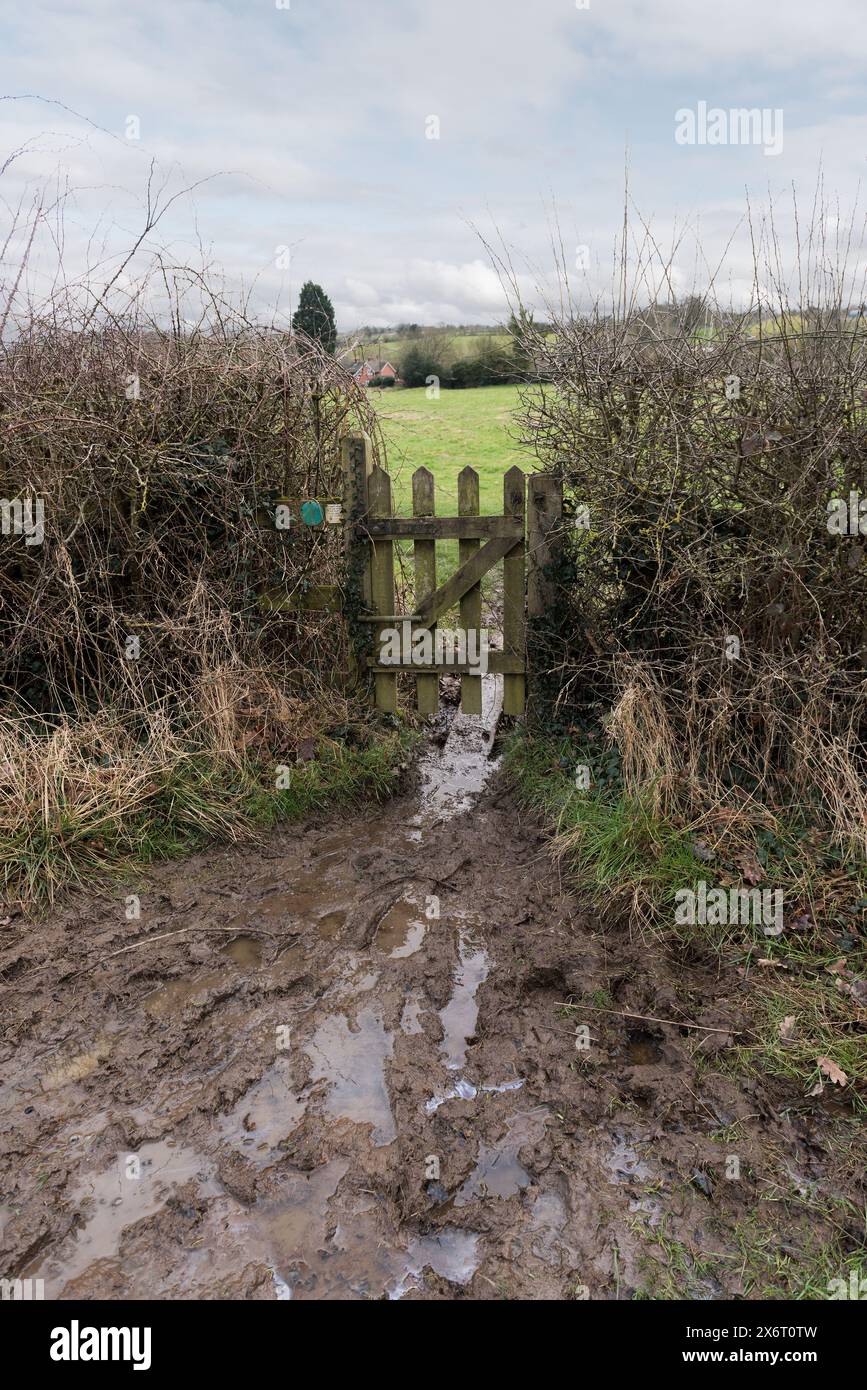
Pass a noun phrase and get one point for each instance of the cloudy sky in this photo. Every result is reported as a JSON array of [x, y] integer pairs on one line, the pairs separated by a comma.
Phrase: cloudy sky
[[307, 125]]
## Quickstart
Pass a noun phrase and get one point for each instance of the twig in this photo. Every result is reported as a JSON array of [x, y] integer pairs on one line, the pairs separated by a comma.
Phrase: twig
[[235, 931], [649, 1018]]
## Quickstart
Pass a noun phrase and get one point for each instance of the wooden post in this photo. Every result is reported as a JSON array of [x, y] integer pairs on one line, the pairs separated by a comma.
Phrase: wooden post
[[423, 504], [471, 603], [514, 484], [544, 523], [382, 579], [357, 465]]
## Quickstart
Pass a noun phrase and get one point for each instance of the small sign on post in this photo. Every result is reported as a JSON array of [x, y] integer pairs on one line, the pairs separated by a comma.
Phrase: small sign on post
[[285, 513]]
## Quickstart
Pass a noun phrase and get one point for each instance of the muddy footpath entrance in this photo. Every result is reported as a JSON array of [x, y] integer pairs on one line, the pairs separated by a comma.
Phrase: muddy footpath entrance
[[337, 1067]]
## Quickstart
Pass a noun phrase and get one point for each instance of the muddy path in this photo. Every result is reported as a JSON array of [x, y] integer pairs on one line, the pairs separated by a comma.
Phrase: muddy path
[[336, 1066]]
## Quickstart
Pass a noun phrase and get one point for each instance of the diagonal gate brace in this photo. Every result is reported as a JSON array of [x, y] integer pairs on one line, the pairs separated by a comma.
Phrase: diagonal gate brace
[[463, 579]]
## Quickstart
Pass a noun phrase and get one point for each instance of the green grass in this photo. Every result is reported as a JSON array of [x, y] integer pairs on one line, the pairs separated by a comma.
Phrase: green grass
[[675, 1272], [475, 427], [178, 819], [772, 1274], [197, 801], [632, 863], [613, 843]]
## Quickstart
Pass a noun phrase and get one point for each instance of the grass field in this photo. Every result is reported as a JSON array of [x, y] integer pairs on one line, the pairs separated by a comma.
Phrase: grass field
[[475, 427]]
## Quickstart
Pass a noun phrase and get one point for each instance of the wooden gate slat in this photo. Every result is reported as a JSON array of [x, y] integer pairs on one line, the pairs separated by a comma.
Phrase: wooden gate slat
[[464, 578], [356, 457], [444, 528], [483, 541], [382, 578], [471, 603], [498, 662], [424, 505], [514, 489]]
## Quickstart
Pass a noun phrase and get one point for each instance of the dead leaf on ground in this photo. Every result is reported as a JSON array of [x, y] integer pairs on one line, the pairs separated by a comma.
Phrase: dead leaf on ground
[[858, 989], [855, 987], [788, 1027], [834, 1073], [750, 868]]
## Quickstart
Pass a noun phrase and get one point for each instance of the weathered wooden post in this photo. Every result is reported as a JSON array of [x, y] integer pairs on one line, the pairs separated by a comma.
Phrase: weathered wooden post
[[544, 527], [423, 504], [471, 603], [544, 545], [382, 580], [514, 628], [356, 459]]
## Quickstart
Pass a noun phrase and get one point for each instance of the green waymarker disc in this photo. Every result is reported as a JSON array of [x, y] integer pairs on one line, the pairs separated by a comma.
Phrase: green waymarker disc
[[311, 514]]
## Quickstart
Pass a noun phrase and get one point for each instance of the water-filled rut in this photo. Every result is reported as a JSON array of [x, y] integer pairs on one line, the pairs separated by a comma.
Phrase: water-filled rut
[[337, 1066]]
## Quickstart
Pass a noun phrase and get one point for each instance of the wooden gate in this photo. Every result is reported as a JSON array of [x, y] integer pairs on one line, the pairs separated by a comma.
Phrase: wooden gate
[[532, 514]]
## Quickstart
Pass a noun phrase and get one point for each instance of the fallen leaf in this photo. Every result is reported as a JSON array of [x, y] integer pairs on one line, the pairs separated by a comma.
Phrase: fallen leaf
[[856, 988], [838, 968], [787, 1028], [750, 868], [702, 850], [834, 1073], [702, 1182]]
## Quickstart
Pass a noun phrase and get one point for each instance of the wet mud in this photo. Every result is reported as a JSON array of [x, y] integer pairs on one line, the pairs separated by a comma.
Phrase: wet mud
[[336, 1066]]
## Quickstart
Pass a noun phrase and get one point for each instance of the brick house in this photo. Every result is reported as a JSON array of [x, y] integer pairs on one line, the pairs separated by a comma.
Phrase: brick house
[[364, 372]]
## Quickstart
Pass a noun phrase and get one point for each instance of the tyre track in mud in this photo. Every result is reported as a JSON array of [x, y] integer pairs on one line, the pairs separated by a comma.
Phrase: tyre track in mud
[[337, 1067]]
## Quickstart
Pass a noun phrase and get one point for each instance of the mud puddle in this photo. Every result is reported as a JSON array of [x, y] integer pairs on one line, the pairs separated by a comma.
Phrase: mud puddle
[[305, 1086], [498, 1171], [459, 1016], [338, 1068], [401, 931]]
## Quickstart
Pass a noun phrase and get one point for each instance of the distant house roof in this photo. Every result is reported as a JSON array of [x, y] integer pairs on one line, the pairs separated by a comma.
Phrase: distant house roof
[[371, 367]]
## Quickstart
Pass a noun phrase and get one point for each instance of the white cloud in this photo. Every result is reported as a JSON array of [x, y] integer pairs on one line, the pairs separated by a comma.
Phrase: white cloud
[[696, 37], [312, 119]]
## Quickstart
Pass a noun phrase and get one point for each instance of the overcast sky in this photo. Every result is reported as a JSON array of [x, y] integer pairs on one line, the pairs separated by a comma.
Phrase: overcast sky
[[311, 123]]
